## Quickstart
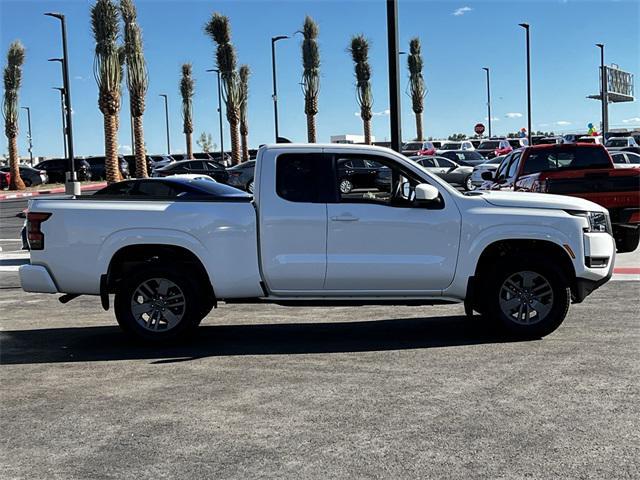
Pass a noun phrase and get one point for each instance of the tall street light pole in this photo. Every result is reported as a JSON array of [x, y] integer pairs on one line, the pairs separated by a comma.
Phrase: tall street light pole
[[394, 75], [486, 69], [603, 93], [64, 127], [166, 120], [72, 186], [219, 113], [526, 27], [30, 137], [275, 88]]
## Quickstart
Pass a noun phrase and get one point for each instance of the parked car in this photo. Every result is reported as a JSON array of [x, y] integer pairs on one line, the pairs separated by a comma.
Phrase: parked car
[[550, 141], [56, 169], [418, 148], [581, 170], [520, 259], [159, 161], [98, 171], [463, 145], [469, 157], [30, 176], [454, 173], [593, 139], [494, 147], [622, 159], [490, 165], [183, 187], [211, 168], [241, 176], [517, 143], [5, 180], [356, 173], [619, 143]]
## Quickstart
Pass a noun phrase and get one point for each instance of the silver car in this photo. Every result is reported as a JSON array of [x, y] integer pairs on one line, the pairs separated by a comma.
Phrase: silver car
[[455, 173]]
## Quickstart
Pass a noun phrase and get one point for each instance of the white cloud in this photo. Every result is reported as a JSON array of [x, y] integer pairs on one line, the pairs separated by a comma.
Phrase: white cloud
[[78, 77], [383, 113], [562, 123], [631, 120], [513, 115], [461, 11], [124, 149], [543, 124], [493, 119]]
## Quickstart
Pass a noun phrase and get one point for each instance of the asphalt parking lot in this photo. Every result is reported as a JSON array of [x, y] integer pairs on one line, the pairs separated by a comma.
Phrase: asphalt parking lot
[[368, 392]]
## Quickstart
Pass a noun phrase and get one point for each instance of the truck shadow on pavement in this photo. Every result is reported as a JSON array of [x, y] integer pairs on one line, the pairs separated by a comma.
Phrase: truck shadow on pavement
[[105, 343]]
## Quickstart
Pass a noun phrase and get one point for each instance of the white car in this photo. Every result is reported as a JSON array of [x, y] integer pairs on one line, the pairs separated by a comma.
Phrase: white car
[[618, 143], [590, 139], [518, 258], [462, 145], [625, 159], [488, 166]]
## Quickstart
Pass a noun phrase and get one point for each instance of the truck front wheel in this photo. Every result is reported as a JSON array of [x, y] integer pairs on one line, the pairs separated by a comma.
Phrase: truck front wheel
[[528, 298], [158, 304]]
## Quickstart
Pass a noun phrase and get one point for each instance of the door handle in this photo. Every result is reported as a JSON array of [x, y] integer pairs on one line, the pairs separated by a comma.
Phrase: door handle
[[344, 218]]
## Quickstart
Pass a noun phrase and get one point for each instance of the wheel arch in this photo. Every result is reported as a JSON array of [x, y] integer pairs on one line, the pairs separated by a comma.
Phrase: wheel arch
[[499, 249], [130, 257]]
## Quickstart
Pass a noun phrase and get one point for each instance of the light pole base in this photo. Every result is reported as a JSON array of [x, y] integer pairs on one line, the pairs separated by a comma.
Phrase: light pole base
[[72, 187]]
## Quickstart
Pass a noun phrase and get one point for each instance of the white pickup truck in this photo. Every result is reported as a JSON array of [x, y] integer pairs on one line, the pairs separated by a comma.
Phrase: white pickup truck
[[399, 236]]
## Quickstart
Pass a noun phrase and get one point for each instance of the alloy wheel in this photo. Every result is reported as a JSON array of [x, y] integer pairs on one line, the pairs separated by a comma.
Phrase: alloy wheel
[[158, 304], [345, 186], [526, 298]]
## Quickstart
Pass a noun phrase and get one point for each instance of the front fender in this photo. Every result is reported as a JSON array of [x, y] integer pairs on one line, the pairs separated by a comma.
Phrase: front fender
[[473, 245]]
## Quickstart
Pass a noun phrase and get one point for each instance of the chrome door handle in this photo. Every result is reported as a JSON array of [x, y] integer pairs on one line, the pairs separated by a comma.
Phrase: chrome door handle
[[344, 219]]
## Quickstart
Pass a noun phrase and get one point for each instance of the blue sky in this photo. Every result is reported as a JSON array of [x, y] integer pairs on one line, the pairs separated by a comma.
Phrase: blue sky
[[455, 48]]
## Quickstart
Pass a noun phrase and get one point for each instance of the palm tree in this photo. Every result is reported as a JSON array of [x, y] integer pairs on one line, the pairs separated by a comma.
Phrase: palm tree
[[107, 71], [360, 54], [137, 81], [416, 83], [186, 90], [219, 30], [310, 75], [244, 97], [12, 80]]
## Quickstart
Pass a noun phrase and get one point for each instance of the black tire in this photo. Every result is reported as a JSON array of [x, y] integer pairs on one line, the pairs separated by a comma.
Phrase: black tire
[[192, 312], [468, 184], [27, 182], [627, 239], [557, 296]]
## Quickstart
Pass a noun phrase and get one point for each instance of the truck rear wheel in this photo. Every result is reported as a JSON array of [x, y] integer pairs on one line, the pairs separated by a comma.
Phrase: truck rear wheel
[[528, 298], [158, 304]]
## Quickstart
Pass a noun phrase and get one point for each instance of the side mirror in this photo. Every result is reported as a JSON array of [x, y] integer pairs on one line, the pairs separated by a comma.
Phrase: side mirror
[[487, 175], [426, 193]]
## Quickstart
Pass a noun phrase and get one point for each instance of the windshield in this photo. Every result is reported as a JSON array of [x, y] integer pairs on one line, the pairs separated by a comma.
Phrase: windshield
[[451, 146], [617, 142], [489, 145], [566, 159], [413, 146]]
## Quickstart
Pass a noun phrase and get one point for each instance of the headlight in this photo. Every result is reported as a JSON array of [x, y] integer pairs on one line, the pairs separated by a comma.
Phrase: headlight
[[598, 221]]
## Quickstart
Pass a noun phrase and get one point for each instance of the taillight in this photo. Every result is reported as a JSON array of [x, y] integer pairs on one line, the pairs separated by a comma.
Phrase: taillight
[[34, 234]]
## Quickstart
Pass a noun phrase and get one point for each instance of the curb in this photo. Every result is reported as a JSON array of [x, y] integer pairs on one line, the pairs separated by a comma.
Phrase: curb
[[83, 188]]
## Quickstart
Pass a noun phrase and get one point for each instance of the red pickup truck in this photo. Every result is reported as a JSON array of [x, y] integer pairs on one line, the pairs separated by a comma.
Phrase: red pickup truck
[[581, 170]]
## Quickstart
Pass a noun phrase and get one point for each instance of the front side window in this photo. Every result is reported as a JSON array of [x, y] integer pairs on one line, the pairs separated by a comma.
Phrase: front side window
[[154, 188], [502, 169], [304, 177], [445, 163], [427, 162], [385, 182]]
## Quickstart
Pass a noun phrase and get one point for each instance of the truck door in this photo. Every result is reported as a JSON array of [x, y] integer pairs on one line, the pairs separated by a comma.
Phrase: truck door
[[293, 221], [380, 242]]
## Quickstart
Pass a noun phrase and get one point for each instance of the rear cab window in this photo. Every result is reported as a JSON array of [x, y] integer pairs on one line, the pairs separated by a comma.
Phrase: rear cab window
[[565, 159]]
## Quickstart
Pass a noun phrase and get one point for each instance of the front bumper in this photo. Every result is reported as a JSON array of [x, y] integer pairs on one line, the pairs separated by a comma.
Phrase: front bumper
[[37, 279], [597, 246]]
